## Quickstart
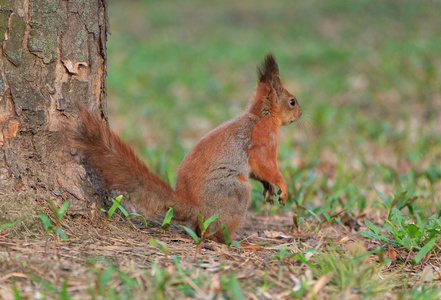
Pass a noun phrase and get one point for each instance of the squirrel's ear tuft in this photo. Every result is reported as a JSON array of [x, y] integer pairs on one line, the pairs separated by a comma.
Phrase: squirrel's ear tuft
[[268, 69]]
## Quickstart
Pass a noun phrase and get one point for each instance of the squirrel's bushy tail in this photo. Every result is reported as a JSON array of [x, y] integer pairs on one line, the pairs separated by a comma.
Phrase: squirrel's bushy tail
[[121, 170]]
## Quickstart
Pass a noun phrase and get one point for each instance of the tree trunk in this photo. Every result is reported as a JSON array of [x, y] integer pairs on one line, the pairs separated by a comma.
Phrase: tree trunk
[[52, 52]]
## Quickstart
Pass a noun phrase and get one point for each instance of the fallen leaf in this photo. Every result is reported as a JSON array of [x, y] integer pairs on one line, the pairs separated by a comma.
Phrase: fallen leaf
[[392, 253]]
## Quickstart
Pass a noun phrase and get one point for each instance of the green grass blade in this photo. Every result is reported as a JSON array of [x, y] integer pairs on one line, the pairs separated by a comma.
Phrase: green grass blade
[[15, 290], [426, 249], [46, 284], [64, 294], [372, 236], [385, 199], [61, 233], [226, 236], [9, 224], [62, 209], [236, 244], [314, 215], [114, 206], [167, 219], [46, 222], [191, 233], [168, 216], [234, 287], [210, 220], [54, 210], [105, 277], [142, 218], [161, 245], [325, 214], [395, 202], [201, 223], [372, 227], [126, 279], [124, 211]]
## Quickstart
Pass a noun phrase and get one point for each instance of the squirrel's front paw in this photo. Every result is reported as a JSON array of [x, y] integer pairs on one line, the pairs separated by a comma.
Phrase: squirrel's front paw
[[283, 195], [270, 198], [269, 191]]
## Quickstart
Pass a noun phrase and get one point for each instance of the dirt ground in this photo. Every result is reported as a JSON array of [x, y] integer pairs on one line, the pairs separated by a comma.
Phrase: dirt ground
[[88, 251], [24, 259]]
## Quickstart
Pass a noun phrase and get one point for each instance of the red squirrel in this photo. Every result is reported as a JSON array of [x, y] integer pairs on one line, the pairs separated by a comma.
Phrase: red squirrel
[[214, 176]]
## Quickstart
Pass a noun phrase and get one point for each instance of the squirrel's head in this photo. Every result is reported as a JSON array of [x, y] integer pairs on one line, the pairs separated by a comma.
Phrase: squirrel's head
[[271, 99]]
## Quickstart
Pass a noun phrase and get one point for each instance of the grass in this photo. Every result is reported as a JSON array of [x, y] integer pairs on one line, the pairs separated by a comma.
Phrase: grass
[[367, 76]]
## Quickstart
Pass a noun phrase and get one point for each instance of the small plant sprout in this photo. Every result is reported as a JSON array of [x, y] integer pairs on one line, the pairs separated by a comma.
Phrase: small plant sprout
[[58, 215], [110, 211], [283, 252], [203, 226], [127, 215], [195, 237], [399, 202], [166, 223], [318, 219], [227, 238], [161, 245], [296, 221], [329, 219]]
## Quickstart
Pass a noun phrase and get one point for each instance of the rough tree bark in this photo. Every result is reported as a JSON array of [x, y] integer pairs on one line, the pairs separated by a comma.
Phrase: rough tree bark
[[51, 52]]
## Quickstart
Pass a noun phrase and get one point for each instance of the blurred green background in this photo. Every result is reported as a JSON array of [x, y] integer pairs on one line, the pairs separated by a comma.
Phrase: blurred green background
[[366, 73]]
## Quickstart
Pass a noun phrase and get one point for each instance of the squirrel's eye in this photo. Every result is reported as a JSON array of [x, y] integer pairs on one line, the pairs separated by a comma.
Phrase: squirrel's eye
[[292, 102]]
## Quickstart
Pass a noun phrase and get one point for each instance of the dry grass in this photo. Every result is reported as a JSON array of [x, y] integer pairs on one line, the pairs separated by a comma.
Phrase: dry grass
[[92, 264]]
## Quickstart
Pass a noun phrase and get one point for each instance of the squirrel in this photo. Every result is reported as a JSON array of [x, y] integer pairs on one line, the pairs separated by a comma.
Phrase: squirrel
[[214, 176]]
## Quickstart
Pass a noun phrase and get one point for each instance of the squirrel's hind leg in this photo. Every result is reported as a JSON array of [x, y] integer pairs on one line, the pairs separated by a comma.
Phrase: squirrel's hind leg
[[231, 203]]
